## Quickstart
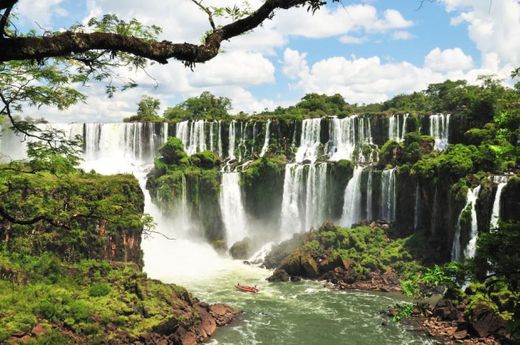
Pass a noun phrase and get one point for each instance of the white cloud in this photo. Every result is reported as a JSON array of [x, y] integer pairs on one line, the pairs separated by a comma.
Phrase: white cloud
[[347, 39], [295, 64], [494, 27], [366, 80], [448, 60], [402, 36], [339, 21], [41, 11]]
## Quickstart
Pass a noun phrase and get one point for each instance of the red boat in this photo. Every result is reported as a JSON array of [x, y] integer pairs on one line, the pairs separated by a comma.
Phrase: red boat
[[245, 288]]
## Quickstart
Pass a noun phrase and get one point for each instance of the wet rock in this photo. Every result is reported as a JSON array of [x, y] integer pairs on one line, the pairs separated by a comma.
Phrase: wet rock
[[242, 250], [280, 275], [446, 310], [296, 279], [222, 313], [485, 322]]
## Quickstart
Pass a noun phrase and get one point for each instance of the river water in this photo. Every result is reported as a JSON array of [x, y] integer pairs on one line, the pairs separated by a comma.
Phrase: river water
[[282, 313]]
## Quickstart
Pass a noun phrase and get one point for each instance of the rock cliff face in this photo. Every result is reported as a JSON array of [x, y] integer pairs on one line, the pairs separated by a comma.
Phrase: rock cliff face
[[77, 216]]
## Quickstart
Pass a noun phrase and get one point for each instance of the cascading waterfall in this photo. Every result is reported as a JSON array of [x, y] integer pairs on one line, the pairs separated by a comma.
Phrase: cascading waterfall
[[193, 135], [232, 208], [369, 196], [439, 130], [469, 252], [304, 197], [219, 139], [310, 140], [501, 182], [347, 136], [396, 129], [388, 195], [471, 248], [352, 200], [265, 147], [232, 139]]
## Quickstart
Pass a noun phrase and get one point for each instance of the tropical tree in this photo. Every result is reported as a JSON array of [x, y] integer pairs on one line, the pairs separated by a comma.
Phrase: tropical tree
[[205, 106]]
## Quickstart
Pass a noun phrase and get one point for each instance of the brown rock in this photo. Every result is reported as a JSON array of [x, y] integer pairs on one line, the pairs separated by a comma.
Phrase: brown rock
[[460, 334], [189, 339], [485, 322], [280, 275], [222, 313], [38, 330]]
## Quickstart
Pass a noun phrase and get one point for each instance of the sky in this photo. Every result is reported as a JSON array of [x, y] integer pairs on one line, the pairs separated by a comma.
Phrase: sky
[[367, 51]]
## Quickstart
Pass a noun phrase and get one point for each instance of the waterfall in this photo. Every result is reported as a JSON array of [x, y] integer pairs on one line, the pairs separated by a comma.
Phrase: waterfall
[[304, 198], [396, 130], [232, 208], [290, 213], [388, 195], [352, 200], [310, 140], [469, 252], [369, 196], [211, 136], [439, 130], [347, 136], [258, 258], [501, 182], [193, 135], [219, 139], [266, 140], [232, 138], [471, 248]]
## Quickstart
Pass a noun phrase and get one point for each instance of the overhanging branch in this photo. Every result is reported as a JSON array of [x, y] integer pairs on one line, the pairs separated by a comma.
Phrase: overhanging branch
[[67, 43]]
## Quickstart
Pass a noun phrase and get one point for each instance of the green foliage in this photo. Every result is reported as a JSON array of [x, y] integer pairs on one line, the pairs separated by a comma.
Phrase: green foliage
[[94, 300], [368, 249], [99, 290], [147, 110], [404, 311], [64, 214], [206, 106], [172, 152]]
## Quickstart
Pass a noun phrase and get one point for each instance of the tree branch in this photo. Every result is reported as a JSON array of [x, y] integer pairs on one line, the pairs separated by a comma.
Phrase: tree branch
[[208, 12], [3, 21], [67, 43]]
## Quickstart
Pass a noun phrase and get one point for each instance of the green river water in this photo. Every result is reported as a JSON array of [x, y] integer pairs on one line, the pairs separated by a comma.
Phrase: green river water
[[282, 313]]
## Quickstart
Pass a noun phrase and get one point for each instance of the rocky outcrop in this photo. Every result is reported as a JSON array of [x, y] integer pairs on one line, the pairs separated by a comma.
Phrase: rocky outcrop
[[242, 250]]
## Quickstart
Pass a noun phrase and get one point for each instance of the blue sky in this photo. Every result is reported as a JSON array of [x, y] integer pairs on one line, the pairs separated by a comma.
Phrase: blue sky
[[365, 50]]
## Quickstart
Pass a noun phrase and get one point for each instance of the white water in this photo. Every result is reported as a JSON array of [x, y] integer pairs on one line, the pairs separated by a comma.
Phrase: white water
[[369, 196], [469, 252], [265, 147], [352, 199], [232, 208], [388, 195], [232, 139], [347, 136], [439, 130], [471, 248], [304, 198], [396, 128], [310, 140], [495, 215]]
